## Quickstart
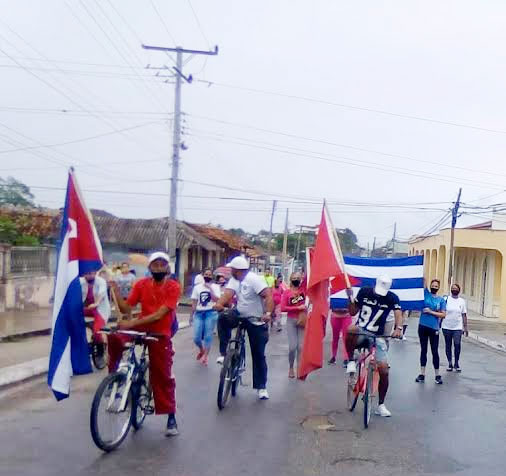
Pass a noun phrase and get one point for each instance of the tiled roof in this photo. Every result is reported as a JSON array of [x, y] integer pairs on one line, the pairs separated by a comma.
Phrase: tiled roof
[[228, 240], [146, 234]]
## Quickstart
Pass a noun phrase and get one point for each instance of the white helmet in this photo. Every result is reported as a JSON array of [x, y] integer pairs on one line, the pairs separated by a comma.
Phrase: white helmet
[[239, 262]]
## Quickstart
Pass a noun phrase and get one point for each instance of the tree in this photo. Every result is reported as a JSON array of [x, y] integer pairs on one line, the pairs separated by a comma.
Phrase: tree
[[9, 233], [14, 192], [349, 242], [237, 231]]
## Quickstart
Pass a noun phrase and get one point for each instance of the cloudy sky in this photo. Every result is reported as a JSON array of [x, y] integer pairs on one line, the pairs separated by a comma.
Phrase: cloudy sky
[[383, 108]]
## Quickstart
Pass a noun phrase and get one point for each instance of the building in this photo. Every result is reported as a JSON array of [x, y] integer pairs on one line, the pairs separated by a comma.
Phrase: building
[[479, 266]]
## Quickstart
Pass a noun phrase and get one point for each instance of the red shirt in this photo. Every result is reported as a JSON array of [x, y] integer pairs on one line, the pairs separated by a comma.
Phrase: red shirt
[[290, 301], [152, 295]]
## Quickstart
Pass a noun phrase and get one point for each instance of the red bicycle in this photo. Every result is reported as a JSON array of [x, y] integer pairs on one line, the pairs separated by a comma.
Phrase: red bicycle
[[365, 381]]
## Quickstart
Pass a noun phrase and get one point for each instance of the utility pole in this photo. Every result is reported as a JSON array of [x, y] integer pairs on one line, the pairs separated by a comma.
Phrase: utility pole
[[394, 238], [455, 214], [285, 244], [176, 139], [373, 246], [297, 248], [274, 204]]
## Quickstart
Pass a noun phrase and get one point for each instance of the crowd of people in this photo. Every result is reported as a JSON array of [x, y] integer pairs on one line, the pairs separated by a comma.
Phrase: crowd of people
[[262, 300]]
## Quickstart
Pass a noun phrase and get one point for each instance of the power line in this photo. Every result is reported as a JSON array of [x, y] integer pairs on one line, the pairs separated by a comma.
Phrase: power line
[[346, 146], [359, 163], [162, 22], [199, 24], [355, 108]]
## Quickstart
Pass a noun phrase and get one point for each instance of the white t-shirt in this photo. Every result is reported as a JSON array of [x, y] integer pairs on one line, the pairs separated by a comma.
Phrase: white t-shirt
[[202, 294], [249, 303], [455, 307]]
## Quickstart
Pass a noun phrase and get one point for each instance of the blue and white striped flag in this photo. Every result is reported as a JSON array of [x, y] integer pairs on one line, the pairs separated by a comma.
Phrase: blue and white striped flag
[[406, 274]]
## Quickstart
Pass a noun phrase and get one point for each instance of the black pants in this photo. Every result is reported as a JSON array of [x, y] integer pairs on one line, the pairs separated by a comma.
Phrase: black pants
[[426, 335], [258, 338], [456, 338]]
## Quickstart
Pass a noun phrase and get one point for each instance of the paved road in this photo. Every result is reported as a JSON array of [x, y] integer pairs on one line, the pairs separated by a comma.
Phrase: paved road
[[459, 427]]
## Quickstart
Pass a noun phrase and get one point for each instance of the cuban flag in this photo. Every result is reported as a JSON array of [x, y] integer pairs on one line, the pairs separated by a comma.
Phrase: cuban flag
[[80, 251], [406, 274]]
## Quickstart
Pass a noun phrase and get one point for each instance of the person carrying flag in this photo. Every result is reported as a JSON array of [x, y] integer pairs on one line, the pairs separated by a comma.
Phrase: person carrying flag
[[373, 305], [158, 296], [96, 303]]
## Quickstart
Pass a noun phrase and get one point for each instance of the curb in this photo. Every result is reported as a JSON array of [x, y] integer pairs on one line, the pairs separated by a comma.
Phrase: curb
[[488, 342], [34, 368]]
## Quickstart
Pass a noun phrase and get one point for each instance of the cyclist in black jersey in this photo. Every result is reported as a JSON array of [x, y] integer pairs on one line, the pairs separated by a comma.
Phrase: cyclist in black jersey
[[373, 306]]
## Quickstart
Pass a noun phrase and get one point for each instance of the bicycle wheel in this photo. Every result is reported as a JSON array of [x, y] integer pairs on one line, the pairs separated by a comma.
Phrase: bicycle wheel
[[142, 395], [368, 394], [99, 354], [352, 397], [226, 379], [111, 412], [237, 376]]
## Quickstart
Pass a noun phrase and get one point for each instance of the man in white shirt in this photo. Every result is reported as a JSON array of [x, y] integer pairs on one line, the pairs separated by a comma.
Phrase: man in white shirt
[[255, 303], [454, 324]]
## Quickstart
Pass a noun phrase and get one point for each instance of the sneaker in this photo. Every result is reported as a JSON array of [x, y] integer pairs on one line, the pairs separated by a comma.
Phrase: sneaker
[[439, 380], [291, 373], [457, 368], [383, 411], [220, 360], [263, 394], [200, 354], [420, 379], [171, 426], [351, 367], [450, 368], [345, 363], [332, 361], [404, 338]]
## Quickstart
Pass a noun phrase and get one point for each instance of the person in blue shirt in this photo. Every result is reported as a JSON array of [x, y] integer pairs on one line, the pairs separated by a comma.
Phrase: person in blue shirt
[[428, 329]]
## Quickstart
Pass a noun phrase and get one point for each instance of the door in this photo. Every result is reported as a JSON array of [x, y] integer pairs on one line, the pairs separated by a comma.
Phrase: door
[[483, 287]]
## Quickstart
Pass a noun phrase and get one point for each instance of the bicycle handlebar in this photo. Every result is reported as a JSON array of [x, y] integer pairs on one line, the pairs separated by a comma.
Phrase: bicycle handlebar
[[144, 335]]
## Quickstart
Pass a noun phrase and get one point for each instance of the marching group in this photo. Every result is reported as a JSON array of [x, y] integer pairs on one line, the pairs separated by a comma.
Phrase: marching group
[[261, 300]]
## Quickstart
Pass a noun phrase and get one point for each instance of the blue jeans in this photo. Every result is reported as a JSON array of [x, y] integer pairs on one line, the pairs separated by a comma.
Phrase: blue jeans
[[203, 327]]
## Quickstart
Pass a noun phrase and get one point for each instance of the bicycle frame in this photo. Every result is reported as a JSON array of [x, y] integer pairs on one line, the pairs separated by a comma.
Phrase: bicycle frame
[[239, 343]]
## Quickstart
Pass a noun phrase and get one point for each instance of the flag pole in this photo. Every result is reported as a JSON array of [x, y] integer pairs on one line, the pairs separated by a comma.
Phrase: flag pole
[[338, 244]]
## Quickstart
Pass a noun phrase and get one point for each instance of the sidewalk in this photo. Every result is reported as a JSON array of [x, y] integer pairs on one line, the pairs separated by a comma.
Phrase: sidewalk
[[23, 323], [488, 332], [22, 358]]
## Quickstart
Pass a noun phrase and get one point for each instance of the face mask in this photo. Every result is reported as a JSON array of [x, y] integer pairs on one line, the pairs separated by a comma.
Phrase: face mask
[[159, 276], [207, 279], [434, 290], [455, 293], [296, 282], [90, 280]]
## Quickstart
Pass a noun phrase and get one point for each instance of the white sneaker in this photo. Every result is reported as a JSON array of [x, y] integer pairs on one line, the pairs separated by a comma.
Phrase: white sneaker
[[404, 338], [220, 360], [383, 411], [351, 368], [263, 394]]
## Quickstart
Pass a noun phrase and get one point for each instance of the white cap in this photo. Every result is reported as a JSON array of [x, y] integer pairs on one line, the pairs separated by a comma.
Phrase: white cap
[[239, 262], [383, 285], [158, 255]]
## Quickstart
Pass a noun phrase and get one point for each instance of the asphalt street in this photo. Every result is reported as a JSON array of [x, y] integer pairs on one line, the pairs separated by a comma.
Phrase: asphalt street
[[304, 429]]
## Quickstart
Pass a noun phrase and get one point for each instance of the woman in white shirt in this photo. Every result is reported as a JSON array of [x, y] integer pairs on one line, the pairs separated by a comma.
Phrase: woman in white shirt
[[454, 324]]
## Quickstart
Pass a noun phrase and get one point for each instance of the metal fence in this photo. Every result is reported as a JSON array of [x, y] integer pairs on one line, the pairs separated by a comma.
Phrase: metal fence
[[30, 260]]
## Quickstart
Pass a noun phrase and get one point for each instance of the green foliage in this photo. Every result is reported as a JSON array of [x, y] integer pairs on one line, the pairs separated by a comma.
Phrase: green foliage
[[237, 231], [9, 233], [348, 241], [14, 192]]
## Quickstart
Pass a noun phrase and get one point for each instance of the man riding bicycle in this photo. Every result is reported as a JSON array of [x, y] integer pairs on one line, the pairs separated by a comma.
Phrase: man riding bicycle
[[373, 306], [158, 297], [255, 304]]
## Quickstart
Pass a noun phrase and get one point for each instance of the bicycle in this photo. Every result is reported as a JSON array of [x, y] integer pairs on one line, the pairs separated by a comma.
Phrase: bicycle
[[234, 365], [97, 350], [125, 396], [365, 381]]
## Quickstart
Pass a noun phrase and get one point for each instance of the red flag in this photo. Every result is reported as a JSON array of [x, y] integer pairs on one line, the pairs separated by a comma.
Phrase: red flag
[[325, 263]]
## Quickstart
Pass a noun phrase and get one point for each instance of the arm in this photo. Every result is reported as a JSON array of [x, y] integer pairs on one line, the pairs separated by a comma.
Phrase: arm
[[156, 316], [354, 304], [266, 295], [398, 324], [464, 318], [225, 300], [124, 307]]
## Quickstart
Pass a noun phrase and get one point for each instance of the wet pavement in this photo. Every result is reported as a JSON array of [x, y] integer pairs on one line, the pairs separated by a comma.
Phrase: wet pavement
[[456, 428]]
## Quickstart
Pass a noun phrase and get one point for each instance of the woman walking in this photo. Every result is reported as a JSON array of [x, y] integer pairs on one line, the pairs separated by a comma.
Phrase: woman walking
[[454, 324], [204, 296], [293, 302], [340, 320], [428, 329], [277, 293]]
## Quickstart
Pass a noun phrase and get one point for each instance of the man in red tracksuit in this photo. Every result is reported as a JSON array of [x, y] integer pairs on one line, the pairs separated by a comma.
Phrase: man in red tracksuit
[[158, 298]]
